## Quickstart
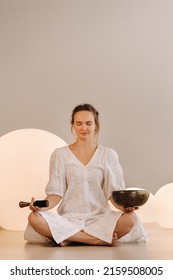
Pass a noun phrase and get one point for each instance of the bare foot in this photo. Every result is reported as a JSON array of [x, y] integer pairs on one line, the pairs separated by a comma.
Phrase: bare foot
[[65, 243], [114, 239]]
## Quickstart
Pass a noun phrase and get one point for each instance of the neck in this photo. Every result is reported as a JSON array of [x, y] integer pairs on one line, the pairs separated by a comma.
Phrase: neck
[[85, 144]]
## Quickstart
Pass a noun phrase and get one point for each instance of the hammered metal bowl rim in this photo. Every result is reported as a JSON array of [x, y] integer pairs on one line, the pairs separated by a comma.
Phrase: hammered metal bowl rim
[[130, 191]]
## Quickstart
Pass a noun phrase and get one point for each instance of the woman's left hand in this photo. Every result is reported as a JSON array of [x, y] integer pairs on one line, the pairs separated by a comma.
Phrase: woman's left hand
[[130, 209]]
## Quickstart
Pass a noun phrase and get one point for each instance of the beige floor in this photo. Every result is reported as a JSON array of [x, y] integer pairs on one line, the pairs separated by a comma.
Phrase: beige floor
[[159, 246]]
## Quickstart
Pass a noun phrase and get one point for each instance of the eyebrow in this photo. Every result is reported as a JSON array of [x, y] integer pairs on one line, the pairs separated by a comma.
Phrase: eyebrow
[[86, 122]]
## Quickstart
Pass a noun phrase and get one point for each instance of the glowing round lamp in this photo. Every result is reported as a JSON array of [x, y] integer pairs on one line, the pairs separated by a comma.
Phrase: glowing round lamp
[[24, 172], [163, 206]]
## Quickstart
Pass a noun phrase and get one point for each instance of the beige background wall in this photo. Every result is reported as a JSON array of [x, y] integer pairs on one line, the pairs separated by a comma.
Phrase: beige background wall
[[115, 54]]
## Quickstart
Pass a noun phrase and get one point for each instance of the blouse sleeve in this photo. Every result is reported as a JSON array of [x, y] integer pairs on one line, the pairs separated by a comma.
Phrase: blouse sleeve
[[56, 183], [113, 174]]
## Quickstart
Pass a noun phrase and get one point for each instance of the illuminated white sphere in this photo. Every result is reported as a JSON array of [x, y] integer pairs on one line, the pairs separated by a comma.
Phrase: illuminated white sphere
[[163, 206], [146, 211], [24, 172]]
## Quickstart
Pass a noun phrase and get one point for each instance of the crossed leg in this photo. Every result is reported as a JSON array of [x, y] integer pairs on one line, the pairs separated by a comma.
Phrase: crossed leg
[[39, 224], [125, 223], [83, 237], [123, 226]]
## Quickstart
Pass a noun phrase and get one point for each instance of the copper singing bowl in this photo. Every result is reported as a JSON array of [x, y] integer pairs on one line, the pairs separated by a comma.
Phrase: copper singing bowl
[[130, 198]]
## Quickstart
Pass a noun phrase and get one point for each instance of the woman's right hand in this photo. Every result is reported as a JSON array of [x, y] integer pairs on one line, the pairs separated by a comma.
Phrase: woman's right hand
[[52, 199], [32, 207]]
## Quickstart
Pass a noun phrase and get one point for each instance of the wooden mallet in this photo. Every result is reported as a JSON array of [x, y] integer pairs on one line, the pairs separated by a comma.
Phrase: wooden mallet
[[39, 203]]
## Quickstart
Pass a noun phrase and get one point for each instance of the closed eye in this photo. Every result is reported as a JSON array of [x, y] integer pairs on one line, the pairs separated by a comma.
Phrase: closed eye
[[87, 123], [78, 123]]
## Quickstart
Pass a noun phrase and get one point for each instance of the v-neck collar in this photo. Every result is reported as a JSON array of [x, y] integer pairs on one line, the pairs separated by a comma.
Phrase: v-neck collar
[[91, 159]]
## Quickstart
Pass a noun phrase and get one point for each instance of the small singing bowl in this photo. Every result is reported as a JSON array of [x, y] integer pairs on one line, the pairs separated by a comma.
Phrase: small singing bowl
[[130, 198]]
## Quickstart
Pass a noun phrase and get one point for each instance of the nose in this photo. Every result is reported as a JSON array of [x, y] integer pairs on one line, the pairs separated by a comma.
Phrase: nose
[[83, 126]]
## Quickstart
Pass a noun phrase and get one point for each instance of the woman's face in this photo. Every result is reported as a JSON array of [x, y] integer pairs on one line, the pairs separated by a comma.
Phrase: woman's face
[[84, 125]]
